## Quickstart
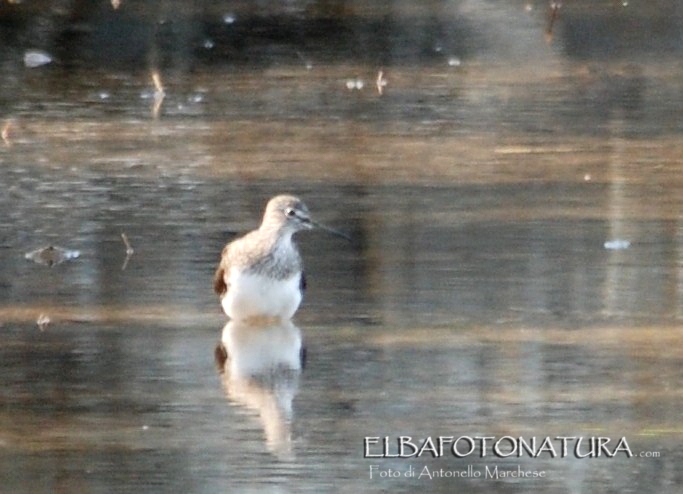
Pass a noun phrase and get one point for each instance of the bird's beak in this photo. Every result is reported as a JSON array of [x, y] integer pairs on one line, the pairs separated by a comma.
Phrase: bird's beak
[[330, 230]]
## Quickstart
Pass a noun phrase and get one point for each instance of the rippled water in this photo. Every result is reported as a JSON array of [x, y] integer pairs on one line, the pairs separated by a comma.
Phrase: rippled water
[[514, 199]]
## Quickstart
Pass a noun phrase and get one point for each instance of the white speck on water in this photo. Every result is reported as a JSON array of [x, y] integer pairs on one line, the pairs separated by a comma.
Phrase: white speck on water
[[307, 63], [229, 18], [209, 44], [454, 62], [71, 254], [43, 321], [352, 84], [617, 244]]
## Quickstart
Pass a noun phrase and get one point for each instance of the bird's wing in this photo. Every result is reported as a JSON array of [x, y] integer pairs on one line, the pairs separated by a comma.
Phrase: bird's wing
[[219, 285], [302, 283], [303, 356]]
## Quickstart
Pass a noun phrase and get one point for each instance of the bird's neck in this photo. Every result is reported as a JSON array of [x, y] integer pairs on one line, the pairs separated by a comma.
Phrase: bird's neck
[[280, 257], [280, 237]]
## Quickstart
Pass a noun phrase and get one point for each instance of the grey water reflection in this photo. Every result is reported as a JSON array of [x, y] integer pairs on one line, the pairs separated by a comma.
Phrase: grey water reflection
[[485, 187], [260, 365]]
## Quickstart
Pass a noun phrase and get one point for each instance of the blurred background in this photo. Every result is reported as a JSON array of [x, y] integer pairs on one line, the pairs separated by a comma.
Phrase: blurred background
[[510, 174]]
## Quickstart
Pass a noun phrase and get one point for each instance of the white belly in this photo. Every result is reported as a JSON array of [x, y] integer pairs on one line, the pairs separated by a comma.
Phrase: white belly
[[255, 296]]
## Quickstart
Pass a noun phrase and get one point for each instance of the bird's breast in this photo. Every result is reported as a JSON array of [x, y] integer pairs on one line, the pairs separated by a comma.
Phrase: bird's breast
[[252, 295]]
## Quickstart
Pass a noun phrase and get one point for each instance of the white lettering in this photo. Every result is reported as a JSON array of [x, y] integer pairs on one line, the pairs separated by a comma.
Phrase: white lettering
[[368, 442]]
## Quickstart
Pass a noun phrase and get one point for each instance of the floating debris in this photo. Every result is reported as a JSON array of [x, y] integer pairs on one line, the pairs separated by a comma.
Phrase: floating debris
[[115, 4], [617, 244], [43, 321], [381, 82], [5, 133], [454, 62], [229, 18], [129, 251], [195, 98], [52, 255], [356, 84], [554, 13], [307, 63], [126, 242], [159, 94], [156, 80], [36, 58]]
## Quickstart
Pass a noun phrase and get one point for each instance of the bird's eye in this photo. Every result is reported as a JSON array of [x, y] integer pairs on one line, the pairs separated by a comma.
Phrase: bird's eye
[[290, 212]]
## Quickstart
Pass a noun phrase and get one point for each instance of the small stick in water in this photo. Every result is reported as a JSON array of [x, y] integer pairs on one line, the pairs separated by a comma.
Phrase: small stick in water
[[554, 13], [381, 82], [129, 251], [159, 93]]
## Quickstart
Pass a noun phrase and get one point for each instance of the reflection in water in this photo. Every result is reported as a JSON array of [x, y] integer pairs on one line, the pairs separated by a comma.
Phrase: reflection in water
[[617, 276], [260, 366]]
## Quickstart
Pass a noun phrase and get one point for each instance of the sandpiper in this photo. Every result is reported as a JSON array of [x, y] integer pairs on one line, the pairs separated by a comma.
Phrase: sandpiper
[[260, 275]]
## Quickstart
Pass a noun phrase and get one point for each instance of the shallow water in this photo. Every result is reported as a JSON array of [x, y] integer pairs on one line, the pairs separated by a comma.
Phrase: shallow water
[[515, 269]]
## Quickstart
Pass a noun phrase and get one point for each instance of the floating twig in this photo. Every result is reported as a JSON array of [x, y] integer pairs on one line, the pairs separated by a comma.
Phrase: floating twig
[[129, 251], [555, 6], [381, 82], [159, 93], [156, 79]]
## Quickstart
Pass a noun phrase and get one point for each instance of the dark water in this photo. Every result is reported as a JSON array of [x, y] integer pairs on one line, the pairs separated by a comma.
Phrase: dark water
[[514, 198]]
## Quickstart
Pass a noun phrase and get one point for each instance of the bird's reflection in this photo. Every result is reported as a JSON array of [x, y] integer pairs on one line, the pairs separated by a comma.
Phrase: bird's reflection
[[260, 367]]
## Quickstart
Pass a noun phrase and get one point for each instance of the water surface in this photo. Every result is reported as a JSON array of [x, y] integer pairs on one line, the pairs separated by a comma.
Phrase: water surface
[[514, 203]]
